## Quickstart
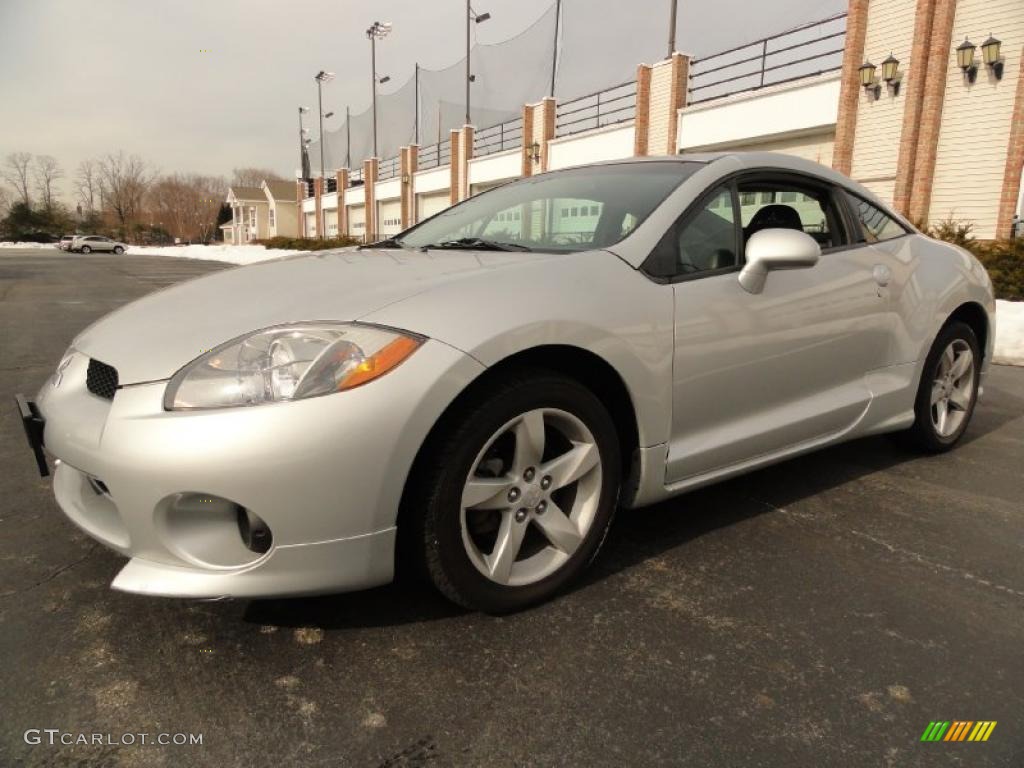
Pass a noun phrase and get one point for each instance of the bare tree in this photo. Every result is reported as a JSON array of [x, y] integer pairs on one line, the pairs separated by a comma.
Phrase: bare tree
[[251, 177], [46, 172], [5, 201], [124, 180], [16, 169], [187, 204], [87, 184]]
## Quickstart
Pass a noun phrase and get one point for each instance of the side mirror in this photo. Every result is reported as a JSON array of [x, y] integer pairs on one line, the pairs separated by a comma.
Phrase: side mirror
[[772, 249]]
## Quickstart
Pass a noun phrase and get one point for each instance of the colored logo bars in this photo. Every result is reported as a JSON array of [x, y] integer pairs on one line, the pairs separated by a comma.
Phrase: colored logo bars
[[958, 730]]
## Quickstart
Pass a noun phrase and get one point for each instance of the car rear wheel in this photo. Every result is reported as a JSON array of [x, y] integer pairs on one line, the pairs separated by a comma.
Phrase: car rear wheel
[[520, 490], [118, 250], [86, 249], [948, 390]]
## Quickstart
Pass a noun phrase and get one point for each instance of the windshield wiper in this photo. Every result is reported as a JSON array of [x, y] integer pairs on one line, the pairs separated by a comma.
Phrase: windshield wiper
[[390, 242], [479, 244]]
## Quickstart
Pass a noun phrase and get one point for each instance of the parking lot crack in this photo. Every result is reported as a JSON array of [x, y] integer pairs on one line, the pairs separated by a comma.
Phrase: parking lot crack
[[52, 576], [918, 558]]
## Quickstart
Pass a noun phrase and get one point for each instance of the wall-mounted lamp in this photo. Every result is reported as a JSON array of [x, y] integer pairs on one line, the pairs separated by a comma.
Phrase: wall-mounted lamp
[[990, 55], [533, 152], [891, 74], [406, 178], [965, 60], [867, 79]]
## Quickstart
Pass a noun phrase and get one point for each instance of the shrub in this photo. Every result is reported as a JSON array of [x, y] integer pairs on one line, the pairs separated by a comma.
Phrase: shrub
[[1004, 259], [308, 244]]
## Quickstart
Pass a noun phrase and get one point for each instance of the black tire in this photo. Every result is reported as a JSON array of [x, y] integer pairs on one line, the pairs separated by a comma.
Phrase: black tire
[[85, 249], [432, 505], [118, 250], [924, 435]]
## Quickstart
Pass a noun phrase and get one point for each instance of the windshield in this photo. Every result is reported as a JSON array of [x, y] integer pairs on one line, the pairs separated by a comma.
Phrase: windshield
[[572, 210]]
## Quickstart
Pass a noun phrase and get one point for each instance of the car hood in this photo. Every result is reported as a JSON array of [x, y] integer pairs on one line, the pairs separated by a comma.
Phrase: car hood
[[152, 338]]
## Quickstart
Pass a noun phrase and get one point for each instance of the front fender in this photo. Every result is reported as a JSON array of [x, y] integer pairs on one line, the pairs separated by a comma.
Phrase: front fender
[[591, 300]]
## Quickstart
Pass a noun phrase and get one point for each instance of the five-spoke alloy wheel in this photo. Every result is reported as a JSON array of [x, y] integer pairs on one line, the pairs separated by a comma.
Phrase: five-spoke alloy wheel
[[520, 487], [949, 389]]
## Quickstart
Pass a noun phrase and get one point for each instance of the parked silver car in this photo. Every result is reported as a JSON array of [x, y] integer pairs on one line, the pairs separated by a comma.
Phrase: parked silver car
[[482, 392], [90, 243]]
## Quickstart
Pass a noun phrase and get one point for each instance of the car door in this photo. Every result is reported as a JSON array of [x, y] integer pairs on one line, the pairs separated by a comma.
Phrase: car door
[[755, 374]]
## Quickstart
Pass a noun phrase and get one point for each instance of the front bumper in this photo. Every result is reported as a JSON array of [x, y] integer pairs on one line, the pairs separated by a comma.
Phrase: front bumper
[[325, 475]]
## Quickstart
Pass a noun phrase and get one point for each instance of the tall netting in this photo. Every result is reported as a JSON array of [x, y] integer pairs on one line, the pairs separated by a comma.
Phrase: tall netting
[[600, 43], [506, 76]]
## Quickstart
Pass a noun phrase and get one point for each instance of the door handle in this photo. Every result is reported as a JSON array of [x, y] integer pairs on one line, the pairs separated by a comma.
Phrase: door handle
[[882, 274]]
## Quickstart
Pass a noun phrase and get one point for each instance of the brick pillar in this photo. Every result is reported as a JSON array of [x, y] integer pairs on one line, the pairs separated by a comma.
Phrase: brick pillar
[[409, 162], [453, 166], [370, 198], [341, 178], [850, 88], [547, 128], [912, 91], [641, 124], [1014, 160], [678, 90], [939, 56], [465, 155], [300, 195], [318, 191], [528, 161]]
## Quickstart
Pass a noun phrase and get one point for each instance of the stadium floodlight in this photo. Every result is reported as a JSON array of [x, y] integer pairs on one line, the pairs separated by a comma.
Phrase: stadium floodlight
[[377, 31]]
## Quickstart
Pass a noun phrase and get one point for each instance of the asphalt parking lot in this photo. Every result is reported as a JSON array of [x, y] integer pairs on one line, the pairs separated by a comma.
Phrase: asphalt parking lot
[[821, 612]]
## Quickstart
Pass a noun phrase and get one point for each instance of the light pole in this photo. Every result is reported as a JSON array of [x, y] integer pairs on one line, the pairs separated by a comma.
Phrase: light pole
[[478, 18], [673, 8], [321, 77], [377, 31], [303, 155]]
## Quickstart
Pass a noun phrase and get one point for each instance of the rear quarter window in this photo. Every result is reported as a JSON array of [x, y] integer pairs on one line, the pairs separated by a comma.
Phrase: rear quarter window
[[877, 226]]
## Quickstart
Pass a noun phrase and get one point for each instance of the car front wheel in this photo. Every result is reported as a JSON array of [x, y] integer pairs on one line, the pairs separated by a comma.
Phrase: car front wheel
[[518, 493], [118, 250], [948, 391]]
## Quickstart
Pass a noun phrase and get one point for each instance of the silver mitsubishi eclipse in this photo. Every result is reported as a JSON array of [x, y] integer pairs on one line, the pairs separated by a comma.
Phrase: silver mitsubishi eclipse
[[475, 397]]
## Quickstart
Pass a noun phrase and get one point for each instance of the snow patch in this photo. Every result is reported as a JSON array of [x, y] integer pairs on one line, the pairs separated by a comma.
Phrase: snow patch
[[1009, 333], [27, 245], [230, 254]]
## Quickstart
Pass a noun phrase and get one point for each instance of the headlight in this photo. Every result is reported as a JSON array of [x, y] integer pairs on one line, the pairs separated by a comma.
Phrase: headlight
[[288, 363]]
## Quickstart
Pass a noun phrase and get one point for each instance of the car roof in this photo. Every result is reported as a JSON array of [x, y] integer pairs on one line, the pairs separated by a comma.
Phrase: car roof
[[755, 160]]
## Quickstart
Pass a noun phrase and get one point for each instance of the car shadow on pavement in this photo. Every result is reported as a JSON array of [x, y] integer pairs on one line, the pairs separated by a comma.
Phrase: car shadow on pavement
[[638, 535]]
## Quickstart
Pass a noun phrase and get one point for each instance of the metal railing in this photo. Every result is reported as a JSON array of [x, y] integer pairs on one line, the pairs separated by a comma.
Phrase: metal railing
[[606, 107], [355, 175], [804, 51], [430, 157], [498, 138], [388, 169]]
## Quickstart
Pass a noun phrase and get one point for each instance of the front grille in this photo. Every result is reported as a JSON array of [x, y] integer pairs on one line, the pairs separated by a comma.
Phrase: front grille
[[101, 379]]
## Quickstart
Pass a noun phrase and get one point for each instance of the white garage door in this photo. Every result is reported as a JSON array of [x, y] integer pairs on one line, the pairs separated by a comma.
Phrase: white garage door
[[357, 221], [428, 205], [331, 223], [310, 219], [389, 217]]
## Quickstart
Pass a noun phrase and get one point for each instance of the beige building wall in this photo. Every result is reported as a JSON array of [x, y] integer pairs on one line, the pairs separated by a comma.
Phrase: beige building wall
[[975, 128], [890, 29], [286, 220]]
